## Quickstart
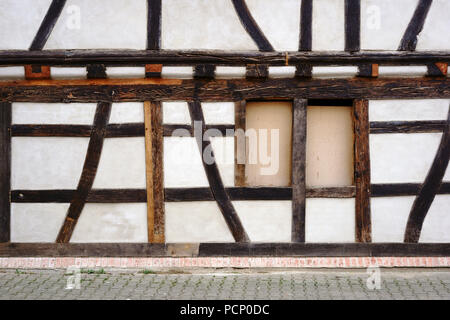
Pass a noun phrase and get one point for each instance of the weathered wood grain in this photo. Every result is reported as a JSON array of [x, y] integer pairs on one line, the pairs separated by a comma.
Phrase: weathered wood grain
[[298, 170], [93, 153], [306, 13], [5, 171], [47, 25], [415, 26], [96, 71], [362, 171], [407, 126], [239, 144], [403, 189], [37, 72], [352, 25], [204, 71], [257, 71]]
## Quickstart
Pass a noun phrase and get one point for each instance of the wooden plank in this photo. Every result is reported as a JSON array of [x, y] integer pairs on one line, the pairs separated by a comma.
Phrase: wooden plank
[[225, 249], [5, 171], [352, 25], [251, 26], [204, 71], [37, 72], [362, 171], [429, 189], [153, 24], [305, 42], [116, 57], [409, 39], [298, 170], [403, 189], [215, 181], [257, 71], [93, 153], [47, 25], [96, 71], [239, 144], [116, 90], [407, 126], [303, 70], [154, 171]]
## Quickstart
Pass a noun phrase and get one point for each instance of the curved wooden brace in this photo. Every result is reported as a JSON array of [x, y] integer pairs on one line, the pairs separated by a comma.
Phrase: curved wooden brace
[[47, 25], [409, 40], [93, 153], [429, 188], [251, 26], [215, 181]]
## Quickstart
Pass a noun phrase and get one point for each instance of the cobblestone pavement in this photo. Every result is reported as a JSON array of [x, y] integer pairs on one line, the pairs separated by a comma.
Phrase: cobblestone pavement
[[225, 284]]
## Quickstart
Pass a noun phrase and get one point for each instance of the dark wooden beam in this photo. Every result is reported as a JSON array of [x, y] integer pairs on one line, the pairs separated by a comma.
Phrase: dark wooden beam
[[239, 144], [430, 188], [407, 126], [352, 25], [93, 153], [306, 13], [204, 71], [251, 26], [226, 249], [113, 57], [362, 171], [213, 175], [257, 71], [437, 69], [153, 24], [47, 25], [298, 170], [5, 171], [96, 71], [403, 189], [415, 26], [116, 90]]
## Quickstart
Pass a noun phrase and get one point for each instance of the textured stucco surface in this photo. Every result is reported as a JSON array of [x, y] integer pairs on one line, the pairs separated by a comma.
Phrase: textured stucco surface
[[126, 112], [408, 110]]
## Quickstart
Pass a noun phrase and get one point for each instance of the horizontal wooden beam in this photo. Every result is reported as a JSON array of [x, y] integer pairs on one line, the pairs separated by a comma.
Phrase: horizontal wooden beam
[[403, 189], [115, 90], [225, 249], [407, 126], [84, 57]]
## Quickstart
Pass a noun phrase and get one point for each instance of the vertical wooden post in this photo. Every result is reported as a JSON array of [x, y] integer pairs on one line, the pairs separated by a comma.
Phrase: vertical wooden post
[[362, 171], [239, 144], [5, 171], [298, 169], [352, 25], [154, 171]]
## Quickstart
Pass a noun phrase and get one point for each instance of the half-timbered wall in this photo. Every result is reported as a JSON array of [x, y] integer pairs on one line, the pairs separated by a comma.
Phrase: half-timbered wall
[[98, 146]]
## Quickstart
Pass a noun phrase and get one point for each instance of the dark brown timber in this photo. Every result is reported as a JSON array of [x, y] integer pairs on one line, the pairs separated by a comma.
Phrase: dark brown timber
[[437, 69], [409, 40], [213, 175], [5, 171], [204, 71], [89, 171], [239, 144], [352, 25], [153, 24], [407, 126], [362, 171], [47, 25], [298, 170], [226, 249], [96, 71], [251, 26], [153, 89], [429, 189], [305, 43]]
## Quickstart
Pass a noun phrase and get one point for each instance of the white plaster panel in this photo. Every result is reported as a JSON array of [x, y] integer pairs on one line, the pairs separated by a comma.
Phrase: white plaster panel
[[19, 22], [177, 72], [218, 112], [122, 164], [37, 222], [334, 72], [182, 163], [68, 73], [328, 25], [402, 157], [106, 222], [281, 72], [53, 113], [109, 24], [202, 24], [223, 72], [266, 221], [197, 221], [330, 220], [125, 72], [394, 71], [176, 113], [383, 23], [127, 112], [223, 148], [279, 21], [447, 175], [389, 217], [436, 227], [12, 73], [435, 34], [47, 162], [408, 110]]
